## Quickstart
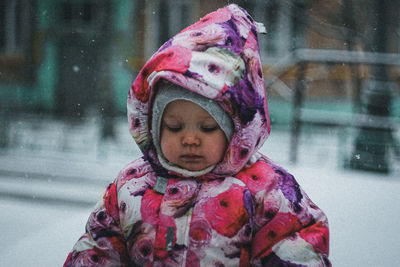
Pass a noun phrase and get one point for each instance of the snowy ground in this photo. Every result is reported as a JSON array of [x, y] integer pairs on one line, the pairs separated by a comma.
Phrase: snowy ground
[[52, 162]]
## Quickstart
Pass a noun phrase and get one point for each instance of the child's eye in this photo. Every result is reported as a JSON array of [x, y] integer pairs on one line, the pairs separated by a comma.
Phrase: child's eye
[[174, 128], [209, 128]]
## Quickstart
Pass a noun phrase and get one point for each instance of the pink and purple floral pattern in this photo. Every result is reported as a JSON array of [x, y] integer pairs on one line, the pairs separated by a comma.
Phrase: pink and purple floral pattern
[[247, 211]]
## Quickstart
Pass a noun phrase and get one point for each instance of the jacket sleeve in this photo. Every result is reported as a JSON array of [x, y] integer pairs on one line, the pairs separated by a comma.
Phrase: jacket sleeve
[[290, 230], [103, 243]]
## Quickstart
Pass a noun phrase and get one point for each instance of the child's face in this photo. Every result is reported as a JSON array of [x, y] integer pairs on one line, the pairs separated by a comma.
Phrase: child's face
[[190, 137]]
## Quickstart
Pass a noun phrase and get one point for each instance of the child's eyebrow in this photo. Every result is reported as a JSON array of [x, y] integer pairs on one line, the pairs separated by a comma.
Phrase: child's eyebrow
[[170, 116], [204, 117], [209, 120]]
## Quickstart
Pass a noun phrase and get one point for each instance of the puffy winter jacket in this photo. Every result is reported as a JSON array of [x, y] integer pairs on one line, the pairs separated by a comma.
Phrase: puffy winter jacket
[[247, 211]]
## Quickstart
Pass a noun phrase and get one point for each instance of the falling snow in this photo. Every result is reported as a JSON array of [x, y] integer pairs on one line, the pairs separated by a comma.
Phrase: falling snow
[[362, 207]]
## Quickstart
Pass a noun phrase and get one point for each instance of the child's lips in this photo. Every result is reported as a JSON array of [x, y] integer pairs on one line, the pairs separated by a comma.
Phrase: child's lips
[[191, 157]]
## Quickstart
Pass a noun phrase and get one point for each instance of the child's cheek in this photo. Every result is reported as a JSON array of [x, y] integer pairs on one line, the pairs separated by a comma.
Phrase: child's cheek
[[169, 148]]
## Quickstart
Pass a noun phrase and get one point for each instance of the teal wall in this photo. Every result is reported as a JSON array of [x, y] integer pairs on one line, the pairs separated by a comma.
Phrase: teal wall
[[47, 72], [47, 76], [41, 93], [122, 50], [281, 111]]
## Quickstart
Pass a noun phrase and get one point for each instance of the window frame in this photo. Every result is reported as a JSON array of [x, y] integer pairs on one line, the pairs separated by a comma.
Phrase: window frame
[[176, 20], [285, 37], [17, 49]]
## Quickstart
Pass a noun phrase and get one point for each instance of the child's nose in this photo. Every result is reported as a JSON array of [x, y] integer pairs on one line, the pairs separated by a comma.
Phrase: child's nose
[[190, 138]]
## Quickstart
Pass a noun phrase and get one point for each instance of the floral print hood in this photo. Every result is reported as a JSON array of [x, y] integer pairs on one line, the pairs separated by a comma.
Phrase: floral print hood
[[217, 57]]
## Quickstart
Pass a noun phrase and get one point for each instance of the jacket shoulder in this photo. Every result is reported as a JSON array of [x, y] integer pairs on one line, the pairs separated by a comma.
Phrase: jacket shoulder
[[260, 175], [277, 190], [133, 170]]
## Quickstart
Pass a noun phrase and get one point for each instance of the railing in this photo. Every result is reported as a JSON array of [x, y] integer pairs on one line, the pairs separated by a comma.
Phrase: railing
[[301, 58]]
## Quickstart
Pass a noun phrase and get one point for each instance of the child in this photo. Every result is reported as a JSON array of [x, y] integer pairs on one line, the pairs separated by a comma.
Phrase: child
[[202, 194]]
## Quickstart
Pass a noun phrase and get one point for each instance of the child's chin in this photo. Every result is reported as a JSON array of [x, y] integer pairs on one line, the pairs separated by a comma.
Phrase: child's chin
[[193, 169], [193, 166]]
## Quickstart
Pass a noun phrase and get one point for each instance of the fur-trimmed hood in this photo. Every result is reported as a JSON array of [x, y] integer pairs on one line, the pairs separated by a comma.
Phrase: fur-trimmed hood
[[217, 57]]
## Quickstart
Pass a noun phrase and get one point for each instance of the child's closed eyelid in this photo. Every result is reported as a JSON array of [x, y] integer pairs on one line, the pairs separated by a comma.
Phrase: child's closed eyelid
[[173, 127], [209, 128]]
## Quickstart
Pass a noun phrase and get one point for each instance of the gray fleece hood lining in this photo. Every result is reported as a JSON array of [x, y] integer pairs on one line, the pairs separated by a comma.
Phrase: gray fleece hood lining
[[170, 92]]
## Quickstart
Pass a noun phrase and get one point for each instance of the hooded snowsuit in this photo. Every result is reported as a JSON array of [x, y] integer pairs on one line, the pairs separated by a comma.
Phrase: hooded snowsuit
[[247, 211]]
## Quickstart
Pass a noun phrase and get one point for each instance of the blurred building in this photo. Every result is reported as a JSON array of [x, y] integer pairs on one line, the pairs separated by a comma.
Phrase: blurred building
[[66, 56]]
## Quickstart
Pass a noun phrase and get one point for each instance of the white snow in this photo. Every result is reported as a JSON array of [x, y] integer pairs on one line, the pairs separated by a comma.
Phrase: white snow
[[363, 208], [38, 235], [363, 212]]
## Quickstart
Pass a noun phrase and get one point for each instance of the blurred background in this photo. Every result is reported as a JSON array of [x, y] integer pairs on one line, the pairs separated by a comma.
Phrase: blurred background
[[332, 72]]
